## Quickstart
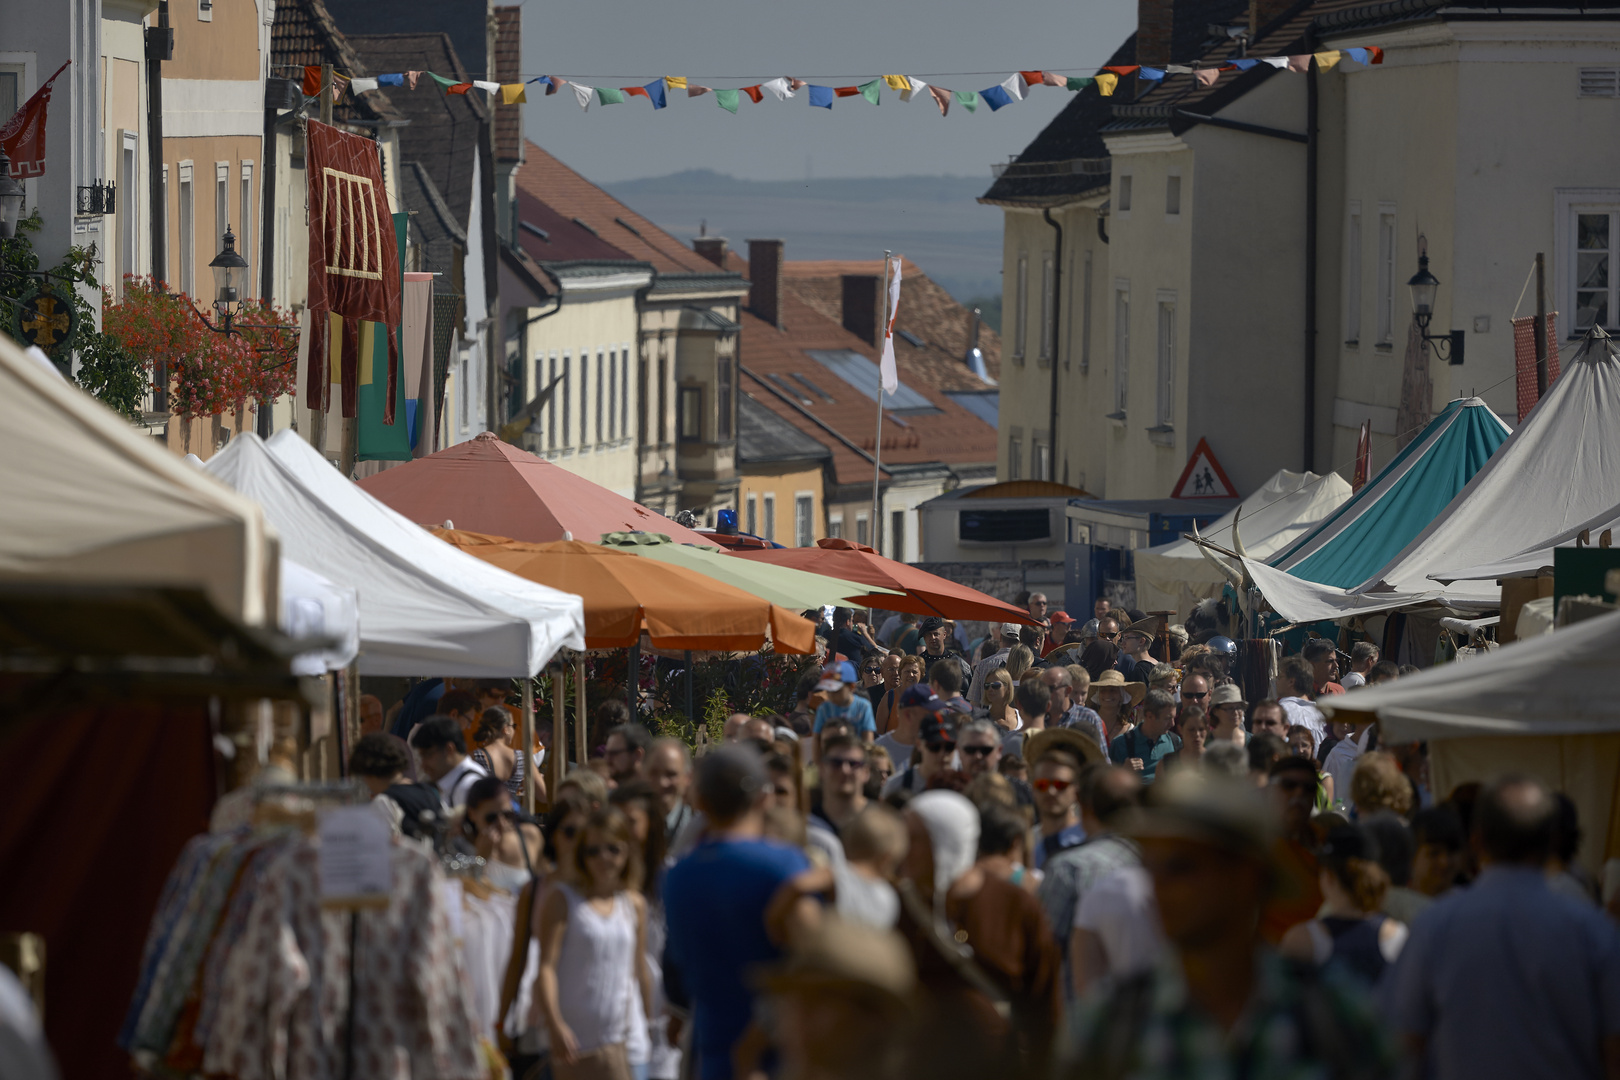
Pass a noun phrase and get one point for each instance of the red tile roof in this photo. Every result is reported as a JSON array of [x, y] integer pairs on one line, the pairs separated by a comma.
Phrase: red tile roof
[[951, 436], [926, 310], [304, 33], [508, 69], [565, 239], [573, 196]]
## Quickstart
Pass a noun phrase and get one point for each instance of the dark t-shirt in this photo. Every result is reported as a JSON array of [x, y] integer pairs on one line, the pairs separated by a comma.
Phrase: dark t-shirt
[[852, 645], [1134, 744], [714, 904]]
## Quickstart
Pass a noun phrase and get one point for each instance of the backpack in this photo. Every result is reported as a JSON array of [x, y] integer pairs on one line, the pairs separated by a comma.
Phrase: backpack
[[414, 799]]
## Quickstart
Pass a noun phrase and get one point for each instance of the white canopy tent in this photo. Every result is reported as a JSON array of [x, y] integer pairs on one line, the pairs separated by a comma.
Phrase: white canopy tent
[[90, 499], [1525, 563], [314, 607], [1545, 706], [1559, 469], [1176, 576], [425, 608]]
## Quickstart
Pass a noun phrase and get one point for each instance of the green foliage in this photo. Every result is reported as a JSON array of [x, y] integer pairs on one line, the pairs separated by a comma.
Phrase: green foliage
[[107, 371]]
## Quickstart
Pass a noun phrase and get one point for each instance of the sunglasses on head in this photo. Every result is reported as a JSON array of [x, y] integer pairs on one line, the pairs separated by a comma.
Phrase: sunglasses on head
[[1046, 784], [596, 851], [978, 751]]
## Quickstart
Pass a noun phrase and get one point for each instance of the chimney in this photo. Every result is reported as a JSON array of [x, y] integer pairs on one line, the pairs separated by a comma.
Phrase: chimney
[[861, 305], [1155, 31], [765, 276], [712, 248]]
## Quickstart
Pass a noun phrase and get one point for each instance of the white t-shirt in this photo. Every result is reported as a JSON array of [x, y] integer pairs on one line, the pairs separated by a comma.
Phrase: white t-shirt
[[899, 752], [1120, 909], [1354, 679], [869, 901], [454, 784]]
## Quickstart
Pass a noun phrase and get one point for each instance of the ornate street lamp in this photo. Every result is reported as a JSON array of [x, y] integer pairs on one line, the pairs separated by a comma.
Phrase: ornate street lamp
[[1424, 285], [230, 277]]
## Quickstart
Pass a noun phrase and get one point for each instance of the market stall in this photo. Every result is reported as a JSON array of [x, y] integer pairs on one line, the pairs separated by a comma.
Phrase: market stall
[[795, 589], [1545, 706]]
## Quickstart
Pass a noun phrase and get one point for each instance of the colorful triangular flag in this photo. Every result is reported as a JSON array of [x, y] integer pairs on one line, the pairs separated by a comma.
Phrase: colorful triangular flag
[[755, 93], [872, 91], [942, 98], [1015, 85], [821, 97], [969, 99], [1107, 83], [914, 86], [726, 99], [1328, 60], [655, 91], [675, 82], [780, 88], [609, 96], [897, 82], [513, 94], [996, 97], [582, 94]]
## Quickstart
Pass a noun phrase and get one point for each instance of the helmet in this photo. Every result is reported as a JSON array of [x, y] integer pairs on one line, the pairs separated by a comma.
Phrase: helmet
[[1090, 629], [1225, 646]]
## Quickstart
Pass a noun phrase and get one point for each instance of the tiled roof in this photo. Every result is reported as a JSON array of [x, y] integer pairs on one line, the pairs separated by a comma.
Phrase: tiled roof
[[445, 129], [927, 311], [508, 69], [846, 423], [465, 21], [432, 227], [564, 238], [762, 438], [304, 34], [573, 196]]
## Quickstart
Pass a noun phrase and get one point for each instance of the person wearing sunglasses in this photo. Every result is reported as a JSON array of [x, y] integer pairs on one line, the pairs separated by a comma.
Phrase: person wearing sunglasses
[[936, 745], [997, 694], [1055, 779], [510, 847], [843, 782], [593, 966], [978, 747]]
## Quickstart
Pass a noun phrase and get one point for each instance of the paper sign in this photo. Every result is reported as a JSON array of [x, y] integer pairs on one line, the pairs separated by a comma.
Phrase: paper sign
[[355, 864]]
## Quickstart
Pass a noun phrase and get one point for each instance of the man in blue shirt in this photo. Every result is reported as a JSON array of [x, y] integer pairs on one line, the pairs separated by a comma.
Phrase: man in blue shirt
[[1508, 977], [1145, 745], [715, 900], [843, 703]]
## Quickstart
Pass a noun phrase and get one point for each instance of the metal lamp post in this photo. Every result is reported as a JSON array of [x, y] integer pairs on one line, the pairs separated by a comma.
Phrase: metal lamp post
[[1424, 285]]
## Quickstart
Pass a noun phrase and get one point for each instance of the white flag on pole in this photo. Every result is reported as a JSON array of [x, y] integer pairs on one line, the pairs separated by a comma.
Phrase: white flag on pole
[[890, 374]]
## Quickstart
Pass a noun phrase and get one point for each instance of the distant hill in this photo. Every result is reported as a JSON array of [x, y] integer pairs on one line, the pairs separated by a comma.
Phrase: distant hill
[[932, 220]]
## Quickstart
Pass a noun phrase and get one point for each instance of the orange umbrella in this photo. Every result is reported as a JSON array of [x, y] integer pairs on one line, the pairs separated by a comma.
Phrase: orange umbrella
[[925, 593], [625, 594], [495, 488]]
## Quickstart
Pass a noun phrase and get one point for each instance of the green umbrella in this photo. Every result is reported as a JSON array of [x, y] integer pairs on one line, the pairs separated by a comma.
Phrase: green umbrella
[[799, 590]]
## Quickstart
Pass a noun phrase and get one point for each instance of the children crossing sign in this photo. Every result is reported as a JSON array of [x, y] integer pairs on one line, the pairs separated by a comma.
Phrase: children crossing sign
[[1203, 478]]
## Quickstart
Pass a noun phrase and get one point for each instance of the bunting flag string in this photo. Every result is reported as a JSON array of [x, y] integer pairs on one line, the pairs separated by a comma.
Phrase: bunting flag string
[[1015, 88]]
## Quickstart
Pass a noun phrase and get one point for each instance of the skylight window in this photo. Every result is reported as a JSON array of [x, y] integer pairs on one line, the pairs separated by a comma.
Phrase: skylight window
[[862, 374]]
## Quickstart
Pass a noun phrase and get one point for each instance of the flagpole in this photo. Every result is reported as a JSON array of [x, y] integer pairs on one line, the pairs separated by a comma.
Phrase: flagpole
[[877, 448]]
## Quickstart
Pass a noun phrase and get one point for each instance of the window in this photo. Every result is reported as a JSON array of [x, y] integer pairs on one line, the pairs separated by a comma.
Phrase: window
[[566, 391], [584, 397], [1172, 195], [751, 516], [1352, 276], [10, 78], [1048, 304], [1085, 315], [1124, 200], [162, 271], [1595, 278], [1122, 348], [724, 406], [863, 530], [804, 532], [186, 256], [1015, 454], [1167, 363], [1600, 82], [613, 394], [689, 425], [222, 201], [244, 220], [551, 406], [624, 397], [601, 373], [464, 392], [128, 228], [1386, 276], [897, 535], [641, 399], [1020, 298], [663, 412], [770, 517], [835, 525], [1041, 466]]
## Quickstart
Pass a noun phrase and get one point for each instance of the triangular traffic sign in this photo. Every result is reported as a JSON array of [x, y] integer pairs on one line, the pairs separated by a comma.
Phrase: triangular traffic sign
[[1203, 478]]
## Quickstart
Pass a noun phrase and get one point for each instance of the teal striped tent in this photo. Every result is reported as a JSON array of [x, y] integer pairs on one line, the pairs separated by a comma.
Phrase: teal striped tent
[[1362, 536]]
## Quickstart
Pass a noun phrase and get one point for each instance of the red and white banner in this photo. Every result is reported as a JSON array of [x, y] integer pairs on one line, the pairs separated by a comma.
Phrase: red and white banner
[[23, 137]]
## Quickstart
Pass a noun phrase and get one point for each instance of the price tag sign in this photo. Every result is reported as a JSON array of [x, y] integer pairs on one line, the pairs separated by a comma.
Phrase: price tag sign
[[356, 869]]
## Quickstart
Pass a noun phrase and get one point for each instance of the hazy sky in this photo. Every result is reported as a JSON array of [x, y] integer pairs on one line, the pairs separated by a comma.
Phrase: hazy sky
[[731, 43]]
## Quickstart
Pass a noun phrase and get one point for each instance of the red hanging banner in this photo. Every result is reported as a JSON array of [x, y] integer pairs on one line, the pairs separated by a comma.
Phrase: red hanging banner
[[1363, 455], [1524, 359], [353, 260], [23, 136]]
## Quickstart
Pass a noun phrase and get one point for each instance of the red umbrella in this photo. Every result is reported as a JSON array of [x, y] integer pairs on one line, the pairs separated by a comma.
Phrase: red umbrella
[[925, 593], [489, 486]]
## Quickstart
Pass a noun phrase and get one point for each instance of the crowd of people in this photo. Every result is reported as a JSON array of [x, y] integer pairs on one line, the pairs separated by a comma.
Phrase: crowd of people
[[1033, 857]]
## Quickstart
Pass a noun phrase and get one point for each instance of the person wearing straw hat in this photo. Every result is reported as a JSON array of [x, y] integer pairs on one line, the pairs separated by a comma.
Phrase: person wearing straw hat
[[1113, 697], [843, 1000], [1205, 842], [1056, 757], [1135, 639]]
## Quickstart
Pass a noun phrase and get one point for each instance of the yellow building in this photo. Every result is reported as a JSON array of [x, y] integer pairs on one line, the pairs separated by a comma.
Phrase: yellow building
[[780, 494]]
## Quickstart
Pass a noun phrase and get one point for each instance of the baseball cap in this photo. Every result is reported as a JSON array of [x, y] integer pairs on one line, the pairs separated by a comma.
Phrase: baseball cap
[[837, 675], [916, 694], [933, 728], [1061, 617]]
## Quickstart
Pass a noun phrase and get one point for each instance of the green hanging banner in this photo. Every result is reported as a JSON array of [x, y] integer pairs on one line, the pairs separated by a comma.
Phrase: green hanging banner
[[379, 441]]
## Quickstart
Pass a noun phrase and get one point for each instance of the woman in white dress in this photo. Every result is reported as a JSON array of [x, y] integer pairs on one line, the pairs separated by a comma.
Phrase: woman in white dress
[[593, 932]]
